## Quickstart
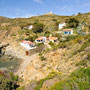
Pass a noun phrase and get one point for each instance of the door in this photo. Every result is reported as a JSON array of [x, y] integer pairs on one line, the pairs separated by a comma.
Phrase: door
[[27, 53], [69, 32]]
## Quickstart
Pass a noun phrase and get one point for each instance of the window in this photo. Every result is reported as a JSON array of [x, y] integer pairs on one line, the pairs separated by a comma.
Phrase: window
[[69, 32], [66, 32], [55, 40], [38, 40]]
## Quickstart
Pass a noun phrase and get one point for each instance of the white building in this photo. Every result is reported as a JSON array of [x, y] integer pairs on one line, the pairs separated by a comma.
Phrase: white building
[[28, 45], [62, 25], [52, 39], [30, 27], [68, 31], [40, 39]]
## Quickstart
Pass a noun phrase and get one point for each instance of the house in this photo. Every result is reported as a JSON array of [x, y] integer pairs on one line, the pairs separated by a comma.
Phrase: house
[[30, 27], [52, 39], [40, 39], [68, 31], [61, 25], [28, 45]]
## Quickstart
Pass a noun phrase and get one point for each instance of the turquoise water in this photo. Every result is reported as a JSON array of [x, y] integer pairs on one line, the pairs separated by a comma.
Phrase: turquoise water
[[9, 63], [4, 64]]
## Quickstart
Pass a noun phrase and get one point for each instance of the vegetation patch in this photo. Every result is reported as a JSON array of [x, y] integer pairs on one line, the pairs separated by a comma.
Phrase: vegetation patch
[[50, 76], [78, 80], [7, 84], [82, 63], [85, 44], [42, 58]]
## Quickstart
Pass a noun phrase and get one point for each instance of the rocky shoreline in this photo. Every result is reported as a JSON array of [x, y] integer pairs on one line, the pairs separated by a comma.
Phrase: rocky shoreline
[[9, 63]]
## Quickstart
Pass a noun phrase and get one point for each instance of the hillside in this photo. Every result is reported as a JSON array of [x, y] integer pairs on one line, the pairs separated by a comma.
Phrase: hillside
[[50, 22], [59, 65], [65, 65]]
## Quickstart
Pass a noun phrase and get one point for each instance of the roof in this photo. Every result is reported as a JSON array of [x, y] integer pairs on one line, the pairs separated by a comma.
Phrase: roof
[[52, 38], [67, 29], [28, 42], [40, 38]]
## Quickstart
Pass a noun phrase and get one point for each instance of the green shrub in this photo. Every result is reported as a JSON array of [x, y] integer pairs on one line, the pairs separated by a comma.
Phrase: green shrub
[[7, 84], [72, 23], [40, 44], [42, 58], [51, 44], [50, 76], [13, 77], [38, 27], [40, 54], [78, 80], [62, 45], [71, 37], [21, 88], [84, 45], [88, 56], [32, 38], [82, 63]]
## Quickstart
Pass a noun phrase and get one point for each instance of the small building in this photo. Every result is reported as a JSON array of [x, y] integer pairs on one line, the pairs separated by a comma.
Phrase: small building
[[40, 39], [68, 31], [28, 45], [30, 27], [61, 25], [52, 39]]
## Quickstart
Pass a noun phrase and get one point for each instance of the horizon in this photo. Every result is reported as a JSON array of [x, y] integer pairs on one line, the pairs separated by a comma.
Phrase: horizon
[[29, 8]]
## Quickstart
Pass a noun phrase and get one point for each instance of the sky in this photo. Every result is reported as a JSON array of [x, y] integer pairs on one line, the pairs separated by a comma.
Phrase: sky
[[28, 8]]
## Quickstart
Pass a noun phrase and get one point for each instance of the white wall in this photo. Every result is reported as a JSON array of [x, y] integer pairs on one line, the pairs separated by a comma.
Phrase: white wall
[[72, 32], [30, 27], [26, 46], [44, 40], [62, 25]]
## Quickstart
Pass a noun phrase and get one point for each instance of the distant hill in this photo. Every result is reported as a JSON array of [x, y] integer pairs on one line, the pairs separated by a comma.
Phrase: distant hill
[[49, 20]]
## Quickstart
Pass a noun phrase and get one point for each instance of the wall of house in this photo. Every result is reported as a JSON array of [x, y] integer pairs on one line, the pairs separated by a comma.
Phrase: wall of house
[[36, 50], [68, 32], [26, 46], [30, 27], [43, 40], [62, 25]]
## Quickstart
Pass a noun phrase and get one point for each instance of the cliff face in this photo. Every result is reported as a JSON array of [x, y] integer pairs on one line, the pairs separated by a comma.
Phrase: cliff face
[[60, 61]]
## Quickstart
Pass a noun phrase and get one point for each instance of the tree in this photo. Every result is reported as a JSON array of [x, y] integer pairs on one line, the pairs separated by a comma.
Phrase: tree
[[7, 84], [38, 27], [72, 23]]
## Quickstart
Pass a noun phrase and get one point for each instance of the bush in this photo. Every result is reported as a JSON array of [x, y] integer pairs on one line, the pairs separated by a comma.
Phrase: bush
[[78, 80], [6, 84], [40, 44], [47, 33], [72, 23], [13, 77], [30, 38], [40, 54], [78, 40], [82, 63], [21, 88], [71, 37], [38, 27], [85, 44], [88, 56], [42, 58], [50, 76], [62, 45], [51, 44]]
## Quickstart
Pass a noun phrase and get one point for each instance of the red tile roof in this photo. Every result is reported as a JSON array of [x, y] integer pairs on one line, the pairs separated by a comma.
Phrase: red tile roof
[[39, 38], [67, 29], [52, 38], [28, 42]]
